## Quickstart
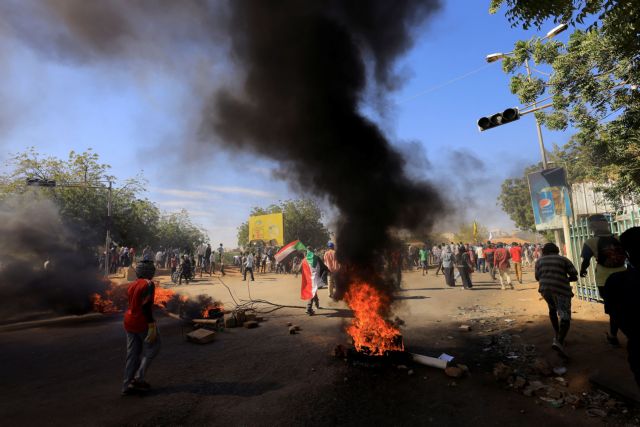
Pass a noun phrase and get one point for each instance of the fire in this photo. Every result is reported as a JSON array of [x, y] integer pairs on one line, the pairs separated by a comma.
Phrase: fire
[[371, 333], [217, 307], [103, 304], [162, 296]]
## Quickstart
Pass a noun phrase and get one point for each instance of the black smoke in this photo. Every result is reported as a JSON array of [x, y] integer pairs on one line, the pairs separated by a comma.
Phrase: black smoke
[[306, 65], [32, 233], [304, 68]]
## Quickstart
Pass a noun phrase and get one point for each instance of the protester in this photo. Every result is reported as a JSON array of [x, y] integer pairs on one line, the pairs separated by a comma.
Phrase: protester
[[501, 263], [623, 293], [312, 271], [159, 257], [424, 255], [185, 270], [488, 255], [248, 266], [464, 266], [610, 258], [554, 273], [516, 256], [143, 340], [332, 265], [221, 257], [447, 266], [481, 266]]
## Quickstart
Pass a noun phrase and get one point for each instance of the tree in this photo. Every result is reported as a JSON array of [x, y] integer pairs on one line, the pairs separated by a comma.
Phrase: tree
[[592, 87], [617, 19], [515, 200], [302, 221], [176, 230], [465, 233], [81, 196]]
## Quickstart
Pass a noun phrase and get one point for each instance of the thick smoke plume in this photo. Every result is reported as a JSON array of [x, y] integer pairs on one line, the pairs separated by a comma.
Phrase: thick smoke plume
[[306, 65], [32, 233]]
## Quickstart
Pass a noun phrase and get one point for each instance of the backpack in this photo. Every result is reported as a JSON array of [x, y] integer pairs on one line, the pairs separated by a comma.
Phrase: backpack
[[611, 254]]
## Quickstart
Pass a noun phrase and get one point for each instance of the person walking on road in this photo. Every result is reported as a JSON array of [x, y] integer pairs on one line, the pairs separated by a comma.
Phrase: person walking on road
[[332, 265], [489, 252], [610, 258], [248, 266], [555, 274], [464, 266], [481, 267], [424, 256], [623, 294], [516, 256], [501, 263], [447, 266], [143, 340]]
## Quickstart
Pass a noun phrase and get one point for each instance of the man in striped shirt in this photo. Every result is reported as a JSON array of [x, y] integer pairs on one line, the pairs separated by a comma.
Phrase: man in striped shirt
[[554, 273]]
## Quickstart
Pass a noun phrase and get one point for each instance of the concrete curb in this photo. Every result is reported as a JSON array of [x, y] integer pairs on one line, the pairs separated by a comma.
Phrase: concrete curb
[[56, 321]]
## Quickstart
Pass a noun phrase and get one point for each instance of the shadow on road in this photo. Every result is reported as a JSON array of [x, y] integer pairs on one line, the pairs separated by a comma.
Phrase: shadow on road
[[208, 388]]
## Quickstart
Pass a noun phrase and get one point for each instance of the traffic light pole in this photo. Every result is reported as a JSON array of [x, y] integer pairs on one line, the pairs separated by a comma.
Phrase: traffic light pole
[[543, 154]]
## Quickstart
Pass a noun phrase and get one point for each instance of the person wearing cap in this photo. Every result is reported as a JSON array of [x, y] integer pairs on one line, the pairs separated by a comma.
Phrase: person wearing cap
[[610, 258], [332, 265], [554, 274], [623, 293], [143, 340]]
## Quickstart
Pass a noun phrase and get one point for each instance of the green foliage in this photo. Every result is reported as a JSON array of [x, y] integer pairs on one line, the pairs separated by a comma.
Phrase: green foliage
[[593, 86], [516, 202], [81, 194], [175, 230], [465, 234], [302, 221]]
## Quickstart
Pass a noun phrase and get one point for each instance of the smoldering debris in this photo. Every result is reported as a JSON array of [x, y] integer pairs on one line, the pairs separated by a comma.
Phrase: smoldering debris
[[33, 234]]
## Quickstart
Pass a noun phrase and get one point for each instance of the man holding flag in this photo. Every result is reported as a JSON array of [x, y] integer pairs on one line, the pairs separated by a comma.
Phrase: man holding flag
[[312, 271]]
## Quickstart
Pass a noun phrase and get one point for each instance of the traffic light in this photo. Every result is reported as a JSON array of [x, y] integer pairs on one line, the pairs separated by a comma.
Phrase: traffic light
[[507, 116]]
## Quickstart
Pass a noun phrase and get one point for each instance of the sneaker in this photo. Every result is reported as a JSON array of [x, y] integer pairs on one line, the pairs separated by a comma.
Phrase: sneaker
[[557, 346], [613, 340], [311, 312]]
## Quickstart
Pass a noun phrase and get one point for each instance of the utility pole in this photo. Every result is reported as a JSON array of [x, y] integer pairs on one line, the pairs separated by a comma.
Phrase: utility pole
[[107, 245]]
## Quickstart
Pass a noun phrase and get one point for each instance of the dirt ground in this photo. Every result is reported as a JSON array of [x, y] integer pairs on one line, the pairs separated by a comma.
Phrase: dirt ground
[[71, 374]]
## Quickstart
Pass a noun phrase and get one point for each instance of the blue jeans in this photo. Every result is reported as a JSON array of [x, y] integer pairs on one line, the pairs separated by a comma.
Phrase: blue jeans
[[481, 266], [139, 357]]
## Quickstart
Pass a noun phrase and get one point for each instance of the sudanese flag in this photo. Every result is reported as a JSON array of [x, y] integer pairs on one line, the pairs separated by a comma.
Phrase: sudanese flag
[[311, 275]]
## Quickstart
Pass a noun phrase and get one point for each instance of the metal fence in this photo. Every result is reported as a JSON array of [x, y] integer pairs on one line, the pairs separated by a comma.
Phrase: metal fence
[[586, 288]]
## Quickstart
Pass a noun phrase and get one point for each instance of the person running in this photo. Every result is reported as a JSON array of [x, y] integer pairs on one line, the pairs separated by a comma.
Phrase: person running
[[447, 266], [248, 266], [516, 256], [143, 340], [555, 274], [424, 256], [610, 258], [623, 293], [464, 266], [501, 263]]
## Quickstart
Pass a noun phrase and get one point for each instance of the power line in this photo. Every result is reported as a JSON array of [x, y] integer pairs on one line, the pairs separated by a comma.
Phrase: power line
[[447, 83]]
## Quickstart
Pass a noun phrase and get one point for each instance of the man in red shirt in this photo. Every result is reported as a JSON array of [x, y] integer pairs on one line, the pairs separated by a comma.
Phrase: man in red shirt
[[501, 263], [516, 257], [332, 265], [143, 341]]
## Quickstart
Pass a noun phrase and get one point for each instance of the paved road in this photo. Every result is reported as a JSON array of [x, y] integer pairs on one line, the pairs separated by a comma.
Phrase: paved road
[[71, 375]]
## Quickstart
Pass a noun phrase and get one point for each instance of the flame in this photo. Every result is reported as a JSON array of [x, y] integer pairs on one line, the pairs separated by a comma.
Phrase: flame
[[371, 333], [205, 312], [162, 296], [103, 304]]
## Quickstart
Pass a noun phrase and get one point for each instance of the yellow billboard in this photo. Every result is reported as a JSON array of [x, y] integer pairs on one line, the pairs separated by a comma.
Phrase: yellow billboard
[[267, 228]]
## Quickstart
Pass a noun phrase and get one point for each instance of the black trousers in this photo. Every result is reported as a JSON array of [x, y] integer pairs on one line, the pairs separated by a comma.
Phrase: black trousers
[[250, 270]]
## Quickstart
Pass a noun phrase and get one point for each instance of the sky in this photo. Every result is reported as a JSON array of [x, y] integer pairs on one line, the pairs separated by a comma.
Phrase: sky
[[140, 120]]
